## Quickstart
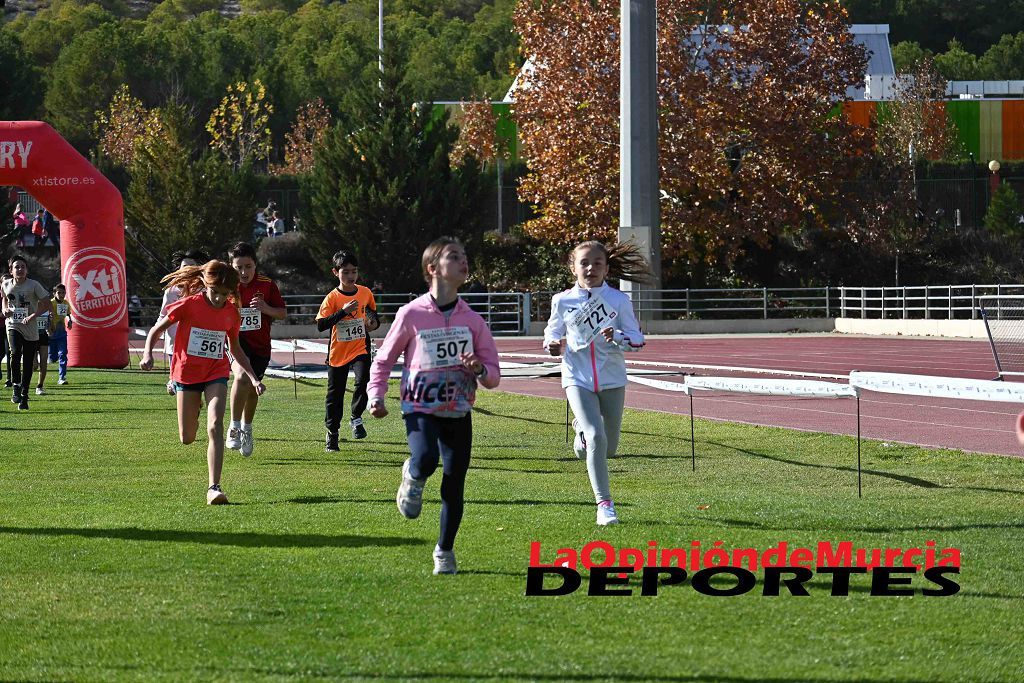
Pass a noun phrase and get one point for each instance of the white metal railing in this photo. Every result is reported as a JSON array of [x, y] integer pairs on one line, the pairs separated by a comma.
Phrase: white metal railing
[[512, 312], [944, 302], [752, 302]]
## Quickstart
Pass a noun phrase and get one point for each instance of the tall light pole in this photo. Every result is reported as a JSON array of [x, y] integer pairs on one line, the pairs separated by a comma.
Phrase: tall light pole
[[639, 193], [380, 35]]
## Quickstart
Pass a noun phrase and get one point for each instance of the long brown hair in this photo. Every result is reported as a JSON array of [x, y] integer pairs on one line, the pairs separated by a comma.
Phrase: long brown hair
[[625, 261], [193, 279]]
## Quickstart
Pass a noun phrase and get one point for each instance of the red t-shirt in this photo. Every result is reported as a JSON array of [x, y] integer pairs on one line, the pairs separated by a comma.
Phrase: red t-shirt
[[201, 342], [258, 341]]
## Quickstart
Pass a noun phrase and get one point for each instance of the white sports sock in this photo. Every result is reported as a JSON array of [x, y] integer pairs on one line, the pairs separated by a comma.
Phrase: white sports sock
[[246, 426], [235, 425]]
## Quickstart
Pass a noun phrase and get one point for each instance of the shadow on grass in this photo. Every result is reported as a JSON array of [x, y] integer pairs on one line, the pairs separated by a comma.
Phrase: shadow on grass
[[913, 481], [631, 677], [241, 540], [744, 524], [560, 423], [327, 500]]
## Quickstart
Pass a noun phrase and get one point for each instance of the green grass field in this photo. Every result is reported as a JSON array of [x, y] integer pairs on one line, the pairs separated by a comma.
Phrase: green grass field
[[113, 568]]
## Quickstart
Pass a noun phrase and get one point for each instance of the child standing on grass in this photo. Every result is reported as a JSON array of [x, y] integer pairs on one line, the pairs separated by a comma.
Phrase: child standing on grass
[[262, 304], [23, 301], [60, 313], [194, 257], [591, 325], [349, 312], [448, 350], [43, 323], [208, 321]]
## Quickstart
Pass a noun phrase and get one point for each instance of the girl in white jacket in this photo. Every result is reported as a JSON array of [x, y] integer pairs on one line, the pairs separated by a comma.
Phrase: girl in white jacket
[[591, 326]]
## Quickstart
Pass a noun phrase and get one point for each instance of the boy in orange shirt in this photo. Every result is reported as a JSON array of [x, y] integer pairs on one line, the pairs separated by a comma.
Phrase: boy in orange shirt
[[349, 311]]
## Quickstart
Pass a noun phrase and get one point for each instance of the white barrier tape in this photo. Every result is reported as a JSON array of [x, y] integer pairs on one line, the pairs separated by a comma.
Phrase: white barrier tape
[[660, 384], [719, 368], [941, 387], [318, 347], [278, 345], [797, 388]]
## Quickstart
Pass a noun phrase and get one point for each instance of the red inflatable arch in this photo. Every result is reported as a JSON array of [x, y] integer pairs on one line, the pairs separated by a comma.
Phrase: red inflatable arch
[[35, 157]]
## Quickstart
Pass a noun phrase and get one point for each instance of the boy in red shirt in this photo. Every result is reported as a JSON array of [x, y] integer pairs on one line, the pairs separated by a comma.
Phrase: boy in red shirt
[[208, 323], [349, 312], [261, 304]]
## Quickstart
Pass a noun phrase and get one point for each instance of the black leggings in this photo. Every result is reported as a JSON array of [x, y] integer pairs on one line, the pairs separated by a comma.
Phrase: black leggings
[[450, 440], [337, 377], [23, 355]]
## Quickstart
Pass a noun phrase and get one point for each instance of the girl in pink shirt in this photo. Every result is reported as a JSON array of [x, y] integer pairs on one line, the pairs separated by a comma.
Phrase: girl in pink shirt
[[448, 351]]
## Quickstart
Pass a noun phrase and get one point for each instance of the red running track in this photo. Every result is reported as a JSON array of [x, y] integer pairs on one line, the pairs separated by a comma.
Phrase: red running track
[[975, 426]]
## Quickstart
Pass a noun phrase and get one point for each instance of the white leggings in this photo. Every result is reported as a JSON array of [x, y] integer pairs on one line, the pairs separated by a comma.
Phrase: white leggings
[[600, 419]]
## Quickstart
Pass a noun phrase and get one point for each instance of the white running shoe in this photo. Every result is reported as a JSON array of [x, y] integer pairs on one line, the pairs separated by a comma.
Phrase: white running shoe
[[234, 440], [410, 494], [579, 442], [40, 391], [444, 561], [214, 496], [606, 514], [247, 443], [62, 382]]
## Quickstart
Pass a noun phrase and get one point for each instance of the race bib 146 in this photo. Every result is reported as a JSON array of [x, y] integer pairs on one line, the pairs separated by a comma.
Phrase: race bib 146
[[350, 330]]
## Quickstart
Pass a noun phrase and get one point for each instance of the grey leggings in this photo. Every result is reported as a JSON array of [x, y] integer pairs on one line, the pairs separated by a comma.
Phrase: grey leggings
[[600, 420]]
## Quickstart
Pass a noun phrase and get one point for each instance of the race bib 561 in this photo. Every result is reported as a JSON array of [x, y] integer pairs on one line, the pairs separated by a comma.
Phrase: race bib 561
[[206, 343]]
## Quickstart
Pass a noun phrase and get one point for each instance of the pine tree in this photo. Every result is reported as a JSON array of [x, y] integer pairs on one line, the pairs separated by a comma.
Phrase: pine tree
[[1004, 212], [179, 199], [383, 187]]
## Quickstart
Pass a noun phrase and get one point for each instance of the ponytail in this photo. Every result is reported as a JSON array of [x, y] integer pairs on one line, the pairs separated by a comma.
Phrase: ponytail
[[625, 262], [193, 279]]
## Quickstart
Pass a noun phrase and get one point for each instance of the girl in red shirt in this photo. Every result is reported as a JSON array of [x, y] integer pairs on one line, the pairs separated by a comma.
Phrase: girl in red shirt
[[208, 321]]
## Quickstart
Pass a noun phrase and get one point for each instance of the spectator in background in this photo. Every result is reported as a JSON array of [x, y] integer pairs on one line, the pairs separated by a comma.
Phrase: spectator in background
[[3, 338], [134, 310], [23, 226], [38, 231], [52, 227], [275, 226]]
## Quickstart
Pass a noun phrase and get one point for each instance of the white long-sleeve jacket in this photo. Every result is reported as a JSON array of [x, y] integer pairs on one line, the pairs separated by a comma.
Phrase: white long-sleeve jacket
[[601, 364]]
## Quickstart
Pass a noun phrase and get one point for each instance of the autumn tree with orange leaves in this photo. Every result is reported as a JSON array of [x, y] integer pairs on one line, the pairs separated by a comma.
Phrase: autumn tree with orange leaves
[[307, 134], [749, 143]]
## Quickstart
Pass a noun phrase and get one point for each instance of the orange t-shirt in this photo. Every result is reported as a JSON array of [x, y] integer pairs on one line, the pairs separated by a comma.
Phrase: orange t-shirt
[[201, 342], [348, 337]]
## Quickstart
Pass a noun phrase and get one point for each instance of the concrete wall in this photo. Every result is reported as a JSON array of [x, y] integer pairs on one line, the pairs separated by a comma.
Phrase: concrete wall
[[962, 329], [724, 326]]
